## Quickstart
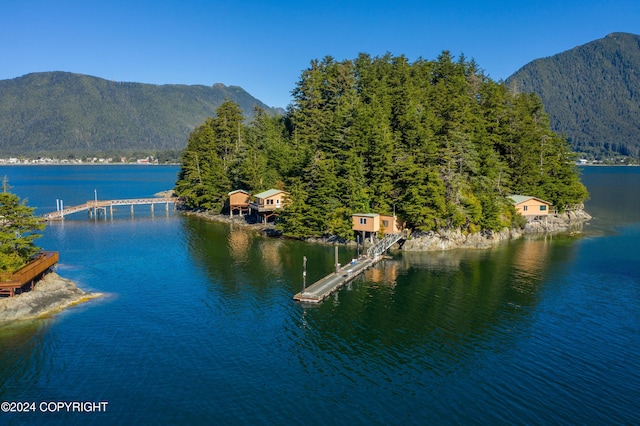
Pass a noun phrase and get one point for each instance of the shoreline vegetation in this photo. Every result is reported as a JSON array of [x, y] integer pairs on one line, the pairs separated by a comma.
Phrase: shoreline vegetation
[[442, 240], [52, 294]]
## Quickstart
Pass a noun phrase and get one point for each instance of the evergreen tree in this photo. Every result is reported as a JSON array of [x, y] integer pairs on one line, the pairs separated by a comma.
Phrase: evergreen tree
[[228, 129], [323, 192], [422, 201], [202, 181], [18, 230], [312, 114], [295, 220], [267, 156]]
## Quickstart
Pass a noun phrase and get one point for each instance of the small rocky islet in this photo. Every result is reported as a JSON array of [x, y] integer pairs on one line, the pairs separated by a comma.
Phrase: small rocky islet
[[51, 294]]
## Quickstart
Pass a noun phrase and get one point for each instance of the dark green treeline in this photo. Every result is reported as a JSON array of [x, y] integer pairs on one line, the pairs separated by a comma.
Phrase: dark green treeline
[[436, 141]]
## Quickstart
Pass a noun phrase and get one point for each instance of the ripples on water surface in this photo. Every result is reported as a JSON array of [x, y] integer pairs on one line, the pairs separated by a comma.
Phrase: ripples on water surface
[[198, 325]]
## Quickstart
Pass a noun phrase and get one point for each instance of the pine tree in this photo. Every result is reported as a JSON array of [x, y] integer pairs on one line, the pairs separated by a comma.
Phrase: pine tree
[[228, 129], [18, 230], [202, 180], [295, 220]]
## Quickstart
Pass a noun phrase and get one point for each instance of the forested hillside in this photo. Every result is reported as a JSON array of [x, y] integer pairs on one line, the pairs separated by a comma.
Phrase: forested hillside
[[592, 94], [435, 141], [60, 113]]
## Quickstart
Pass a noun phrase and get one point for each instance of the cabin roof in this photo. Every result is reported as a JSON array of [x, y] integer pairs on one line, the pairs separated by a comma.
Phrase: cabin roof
[[519, 199], [238, 190], [269, 193], [366, 214]]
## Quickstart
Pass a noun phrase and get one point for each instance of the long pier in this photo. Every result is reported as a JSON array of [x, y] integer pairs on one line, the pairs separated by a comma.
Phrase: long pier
[[323, 288], [96, 208]]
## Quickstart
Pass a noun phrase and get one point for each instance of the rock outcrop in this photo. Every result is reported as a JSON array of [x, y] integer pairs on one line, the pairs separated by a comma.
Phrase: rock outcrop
[[51, 294], [565, 222], [453, 239]]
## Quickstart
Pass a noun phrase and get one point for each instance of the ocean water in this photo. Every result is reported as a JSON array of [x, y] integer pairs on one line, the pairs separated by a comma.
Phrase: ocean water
[[198, 325]]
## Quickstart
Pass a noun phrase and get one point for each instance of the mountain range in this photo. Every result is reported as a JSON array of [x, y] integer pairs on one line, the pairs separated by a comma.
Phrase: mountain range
[[63, 113], [591, 93]]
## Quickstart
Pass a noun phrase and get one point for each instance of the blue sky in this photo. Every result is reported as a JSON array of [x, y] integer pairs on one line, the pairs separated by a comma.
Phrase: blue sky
[[263, 46]]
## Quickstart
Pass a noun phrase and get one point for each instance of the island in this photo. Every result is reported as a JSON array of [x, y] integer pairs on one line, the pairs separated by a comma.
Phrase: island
[[435, 143]]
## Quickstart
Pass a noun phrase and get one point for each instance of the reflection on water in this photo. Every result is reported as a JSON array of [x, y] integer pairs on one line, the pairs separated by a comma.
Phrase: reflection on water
[[271, 255], [235, 257], [386, 273], [239, 241], [409, 299], [529, 262], [438, 298]]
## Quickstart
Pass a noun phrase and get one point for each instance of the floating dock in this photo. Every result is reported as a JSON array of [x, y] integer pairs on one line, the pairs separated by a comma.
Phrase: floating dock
[[323, 288]]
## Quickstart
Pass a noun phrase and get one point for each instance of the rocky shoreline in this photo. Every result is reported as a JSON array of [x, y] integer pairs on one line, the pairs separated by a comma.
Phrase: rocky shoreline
[[440, 240], [237, 220], [570, 221], [50, 295], [455, 239]]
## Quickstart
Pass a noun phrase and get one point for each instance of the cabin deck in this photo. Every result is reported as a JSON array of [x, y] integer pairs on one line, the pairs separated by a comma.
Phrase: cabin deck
[[26, 277]]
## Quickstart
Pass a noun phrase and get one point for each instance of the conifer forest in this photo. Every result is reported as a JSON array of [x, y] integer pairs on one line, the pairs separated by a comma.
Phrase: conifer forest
[[436, 142]]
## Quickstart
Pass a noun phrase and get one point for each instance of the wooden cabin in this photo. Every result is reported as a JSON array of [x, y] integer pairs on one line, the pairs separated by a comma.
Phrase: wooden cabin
[[390, 224], [366, 222], [239, 201], [267, 203], [374, 222], [530, 207]]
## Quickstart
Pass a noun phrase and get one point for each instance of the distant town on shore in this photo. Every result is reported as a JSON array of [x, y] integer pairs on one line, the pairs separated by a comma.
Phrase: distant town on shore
[[153, 160], [87, 160]]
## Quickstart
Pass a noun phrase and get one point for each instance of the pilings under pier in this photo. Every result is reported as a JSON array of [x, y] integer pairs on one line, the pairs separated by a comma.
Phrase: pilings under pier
[[98, 209]]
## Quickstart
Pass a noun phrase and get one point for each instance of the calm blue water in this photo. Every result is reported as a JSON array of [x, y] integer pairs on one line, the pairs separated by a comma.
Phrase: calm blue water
[[198, 325]]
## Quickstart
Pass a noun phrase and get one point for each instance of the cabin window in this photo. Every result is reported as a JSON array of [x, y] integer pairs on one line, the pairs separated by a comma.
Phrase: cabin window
[[525, 208], [269, 202], [278, 201], [363, 221], [385, 223], [543, 208]]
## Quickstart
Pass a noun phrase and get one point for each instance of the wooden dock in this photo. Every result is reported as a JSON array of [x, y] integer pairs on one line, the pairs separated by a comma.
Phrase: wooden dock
[[97, 208], [25, 278], [323, 288]]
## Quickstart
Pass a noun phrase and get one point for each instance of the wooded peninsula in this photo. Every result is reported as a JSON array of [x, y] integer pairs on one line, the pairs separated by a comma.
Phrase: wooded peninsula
[[434, 141]]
